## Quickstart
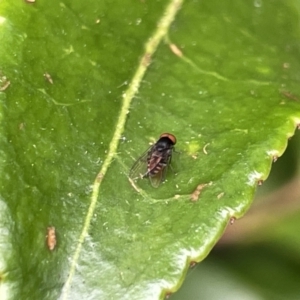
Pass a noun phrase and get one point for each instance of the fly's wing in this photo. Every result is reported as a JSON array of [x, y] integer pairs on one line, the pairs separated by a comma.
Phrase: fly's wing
[[140, 167], [174, 161], [158, 178]]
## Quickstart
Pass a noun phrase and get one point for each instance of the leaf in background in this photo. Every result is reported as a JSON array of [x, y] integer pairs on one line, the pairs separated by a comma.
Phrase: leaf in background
[[226, 83]]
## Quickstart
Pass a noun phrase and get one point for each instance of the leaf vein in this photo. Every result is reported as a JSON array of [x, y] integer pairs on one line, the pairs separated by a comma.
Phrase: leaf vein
[[150, 48]]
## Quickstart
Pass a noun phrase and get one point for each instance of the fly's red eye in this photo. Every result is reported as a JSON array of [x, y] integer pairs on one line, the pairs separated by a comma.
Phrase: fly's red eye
[[170, 136]]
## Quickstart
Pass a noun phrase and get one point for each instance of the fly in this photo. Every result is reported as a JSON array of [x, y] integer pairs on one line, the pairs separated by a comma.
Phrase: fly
[[155, 161]]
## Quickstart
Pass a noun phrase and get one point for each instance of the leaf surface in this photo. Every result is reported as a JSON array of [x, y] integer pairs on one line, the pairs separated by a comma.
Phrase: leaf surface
[[90, 87]]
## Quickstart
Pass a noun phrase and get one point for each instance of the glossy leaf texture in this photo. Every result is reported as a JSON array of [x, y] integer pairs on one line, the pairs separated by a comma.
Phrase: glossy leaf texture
[[223, 78], [258, 256]]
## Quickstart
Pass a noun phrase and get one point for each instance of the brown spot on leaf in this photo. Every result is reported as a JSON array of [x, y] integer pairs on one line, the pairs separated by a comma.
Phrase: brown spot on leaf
[[48, 78], [99, 177], [289, 95], [193, 264], [146, 60], [196, 193], [51, 237], [176, 50]]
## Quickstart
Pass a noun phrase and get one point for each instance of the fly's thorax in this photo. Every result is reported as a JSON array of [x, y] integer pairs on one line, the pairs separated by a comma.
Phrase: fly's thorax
[[163, 144]]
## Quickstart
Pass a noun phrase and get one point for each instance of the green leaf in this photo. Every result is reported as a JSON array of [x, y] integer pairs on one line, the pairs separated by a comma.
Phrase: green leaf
[[89, 87], [258, 257]]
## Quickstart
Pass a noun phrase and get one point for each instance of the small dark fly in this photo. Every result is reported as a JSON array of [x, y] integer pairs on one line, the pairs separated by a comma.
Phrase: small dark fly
[[155, 161]]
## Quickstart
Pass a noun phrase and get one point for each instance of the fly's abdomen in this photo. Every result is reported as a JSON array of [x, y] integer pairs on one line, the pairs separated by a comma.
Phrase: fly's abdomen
[[157, 162], [158, 168]]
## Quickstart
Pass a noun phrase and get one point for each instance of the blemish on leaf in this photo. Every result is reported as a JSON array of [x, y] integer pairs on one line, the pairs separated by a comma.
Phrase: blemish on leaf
[[193, 264], [146, 60], [69, 51], [48, 77], [60, 103], [260, 182], [123, 84], [273, 154], [232, 220], [4, 83], [220, 195], [193, 148], [204, 148], [99, 177], [196, 193], [241, 130], [289, 95], [286, 65], [51, 237], [21, 126], [176, 50], [254, 177]]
